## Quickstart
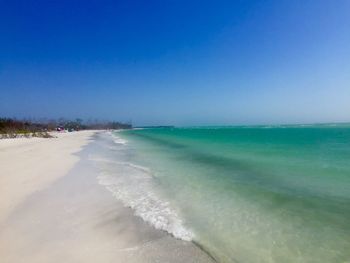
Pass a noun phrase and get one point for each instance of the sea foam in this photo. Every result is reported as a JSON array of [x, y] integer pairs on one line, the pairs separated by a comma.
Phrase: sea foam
[[134, 186], [134, 189], [118, 140]]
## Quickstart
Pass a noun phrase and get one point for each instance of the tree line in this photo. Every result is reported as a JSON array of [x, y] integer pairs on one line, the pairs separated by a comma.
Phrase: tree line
[[11, 128]]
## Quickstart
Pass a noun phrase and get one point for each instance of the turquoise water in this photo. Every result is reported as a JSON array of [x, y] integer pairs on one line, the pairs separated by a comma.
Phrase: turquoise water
[[253, 194]]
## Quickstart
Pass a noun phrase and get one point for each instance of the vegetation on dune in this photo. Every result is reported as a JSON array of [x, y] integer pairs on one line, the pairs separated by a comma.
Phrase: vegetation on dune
[[13, 128]]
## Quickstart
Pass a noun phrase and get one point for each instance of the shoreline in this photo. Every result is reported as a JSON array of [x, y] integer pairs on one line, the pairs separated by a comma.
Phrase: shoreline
[[71, 217]]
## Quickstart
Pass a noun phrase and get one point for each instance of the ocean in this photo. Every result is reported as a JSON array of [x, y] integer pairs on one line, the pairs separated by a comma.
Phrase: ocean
[[243, 194]]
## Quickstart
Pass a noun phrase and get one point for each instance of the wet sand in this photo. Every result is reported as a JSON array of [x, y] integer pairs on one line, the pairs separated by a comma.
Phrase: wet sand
[[54, 210]]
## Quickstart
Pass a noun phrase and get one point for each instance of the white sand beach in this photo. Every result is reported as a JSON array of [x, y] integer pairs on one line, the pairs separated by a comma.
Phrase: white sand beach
[[52, 209], [29, 165]]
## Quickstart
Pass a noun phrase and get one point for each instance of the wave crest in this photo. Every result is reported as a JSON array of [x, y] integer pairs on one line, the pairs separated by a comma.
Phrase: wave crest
[[132, 184]]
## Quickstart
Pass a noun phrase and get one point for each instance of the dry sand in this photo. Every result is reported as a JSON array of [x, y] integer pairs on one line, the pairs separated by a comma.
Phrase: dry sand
[[30, 164], [53, 210]]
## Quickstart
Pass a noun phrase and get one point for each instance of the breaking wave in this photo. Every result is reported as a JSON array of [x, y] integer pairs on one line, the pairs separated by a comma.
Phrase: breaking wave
[[134, 185], [134, 188]]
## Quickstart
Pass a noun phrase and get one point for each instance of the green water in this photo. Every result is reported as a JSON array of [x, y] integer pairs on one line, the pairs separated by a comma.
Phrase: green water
[[255, 194]]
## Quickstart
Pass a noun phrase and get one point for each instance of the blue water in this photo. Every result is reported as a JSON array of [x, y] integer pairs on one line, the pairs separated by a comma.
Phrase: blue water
[[244, 194]]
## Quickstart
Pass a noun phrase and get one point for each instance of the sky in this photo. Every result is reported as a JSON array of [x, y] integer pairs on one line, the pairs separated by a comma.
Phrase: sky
[[174, 62]]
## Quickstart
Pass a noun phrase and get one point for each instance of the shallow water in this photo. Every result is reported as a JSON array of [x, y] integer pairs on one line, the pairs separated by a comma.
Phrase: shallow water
[[245, 194]]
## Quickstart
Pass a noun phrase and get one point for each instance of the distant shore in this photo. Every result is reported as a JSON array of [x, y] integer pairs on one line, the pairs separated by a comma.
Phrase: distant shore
[[22, 128], [52, 209]]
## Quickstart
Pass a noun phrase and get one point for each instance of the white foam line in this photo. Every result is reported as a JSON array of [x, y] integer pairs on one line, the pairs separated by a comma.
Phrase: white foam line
[[117, 139], [134, 189], [139, 167], [133, 185]]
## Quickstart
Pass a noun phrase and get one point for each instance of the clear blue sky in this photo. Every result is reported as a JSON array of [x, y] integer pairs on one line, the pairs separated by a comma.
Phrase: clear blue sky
[[176, 62]]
